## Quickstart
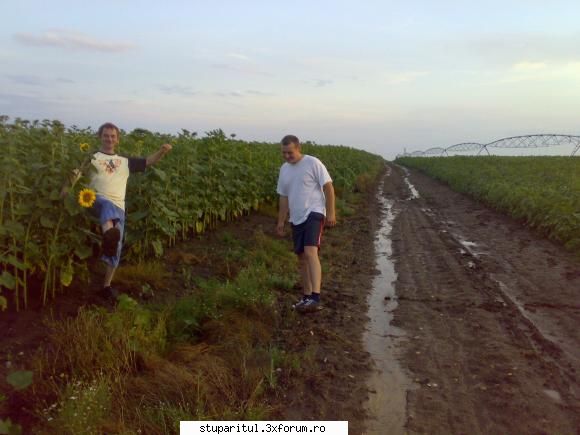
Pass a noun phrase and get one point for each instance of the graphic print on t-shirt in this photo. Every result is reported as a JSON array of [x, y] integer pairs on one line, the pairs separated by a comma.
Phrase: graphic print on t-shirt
[[111, 165]]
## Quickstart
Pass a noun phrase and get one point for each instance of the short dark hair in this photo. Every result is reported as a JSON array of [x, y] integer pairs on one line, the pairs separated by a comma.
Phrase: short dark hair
[[109, 125], [289, 139]]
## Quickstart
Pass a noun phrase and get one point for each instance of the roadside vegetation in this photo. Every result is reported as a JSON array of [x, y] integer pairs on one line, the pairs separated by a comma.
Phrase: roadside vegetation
[[141, 367], [543, 192]]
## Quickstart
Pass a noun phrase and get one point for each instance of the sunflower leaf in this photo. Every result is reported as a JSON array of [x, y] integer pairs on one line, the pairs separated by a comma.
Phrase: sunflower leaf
[[20, 379], [46, 222]]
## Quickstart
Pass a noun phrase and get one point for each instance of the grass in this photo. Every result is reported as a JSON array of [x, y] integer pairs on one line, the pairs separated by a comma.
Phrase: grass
[[143, 368], [80, 408], [132, 276]]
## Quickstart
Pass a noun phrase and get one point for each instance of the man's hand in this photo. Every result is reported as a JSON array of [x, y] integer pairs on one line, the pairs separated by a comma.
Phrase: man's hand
[[75, 176], [330, 220], [330, 201], [280, 229], [159, 154]]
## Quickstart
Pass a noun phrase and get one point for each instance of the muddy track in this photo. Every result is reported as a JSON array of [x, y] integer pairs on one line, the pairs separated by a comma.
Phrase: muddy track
[[491, 312]]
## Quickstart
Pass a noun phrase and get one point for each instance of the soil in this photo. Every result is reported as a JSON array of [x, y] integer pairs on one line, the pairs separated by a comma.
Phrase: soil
[[490, 313]]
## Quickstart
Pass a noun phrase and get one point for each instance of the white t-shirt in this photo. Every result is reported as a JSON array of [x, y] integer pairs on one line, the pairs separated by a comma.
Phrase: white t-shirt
[[302, 183], [110, 174]]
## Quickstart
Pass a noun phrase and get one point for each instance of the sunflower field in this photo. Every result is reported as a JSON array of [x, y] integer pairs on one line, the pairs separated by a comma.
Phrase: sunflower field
[[46, 239]]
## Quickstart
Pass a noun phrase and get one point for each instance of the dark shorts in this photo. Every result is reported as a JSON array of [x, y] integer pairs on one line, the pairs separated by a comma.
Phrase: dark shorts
[[308, 233], [104, 210]]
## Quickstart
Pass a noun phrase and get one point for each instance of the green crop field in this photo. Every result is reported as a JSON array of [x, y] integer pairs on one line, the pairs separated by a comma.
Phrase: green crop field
[[544, 192], [202, 181]]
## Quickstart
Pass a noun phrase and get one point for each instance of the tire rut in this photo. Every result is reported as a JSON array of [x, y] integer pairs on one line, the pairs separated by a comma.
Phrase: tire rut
[[482, 366]]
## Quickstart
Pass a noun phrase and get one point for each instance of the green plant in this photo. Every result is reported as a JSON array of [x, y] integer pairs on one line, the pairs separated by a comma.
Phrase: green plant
[[81, 407], [7, 427], [20, 380], [97, 340]]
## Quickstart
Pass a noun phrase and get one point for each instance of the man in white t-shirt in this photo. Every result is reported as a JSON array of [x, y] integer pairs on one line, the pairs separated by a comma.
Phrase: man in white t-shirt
[[306, 192], [108, 176]]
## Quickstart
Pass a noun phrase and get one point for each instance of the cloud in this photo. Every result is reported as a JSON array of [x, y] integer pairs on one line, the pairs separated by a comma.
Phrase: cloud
[[30, 80], [242, 69], [23, 79], [229, 94], [29, 106], [528, 66], [541, 71], [405, 77], [320, 83], [238, 56], [186, 91], [71, 40], [246, 93], [504, 48], [178, 90], [259, 93]]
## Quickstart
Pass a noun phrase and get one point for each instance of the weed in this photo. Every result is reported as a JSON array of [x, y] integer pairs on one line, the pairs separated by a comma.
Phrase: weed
[[97, 340], [269, 209], [281, 281], [229, 239], [80, 408], [138, 370], [133, 276], [165, 417], [343, 208]]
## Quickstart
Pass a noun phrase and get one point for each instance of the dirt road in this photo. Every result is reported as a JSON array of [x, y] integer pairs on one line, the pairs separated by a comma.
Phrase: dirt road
[[490, 312]]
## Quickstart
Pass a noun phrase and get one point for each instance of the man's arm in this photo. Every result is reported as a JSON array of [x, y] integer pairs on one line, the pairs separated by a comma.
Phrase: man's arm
[[74, 177], [330, 208], [70, 182], [282, 214], [159, 154]]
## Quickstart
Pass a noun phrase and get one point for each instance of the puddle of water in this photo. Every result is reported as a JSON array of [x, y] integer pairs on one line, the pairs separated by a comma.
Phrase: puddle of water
[[414, 192], [388, 383], [468, 246]]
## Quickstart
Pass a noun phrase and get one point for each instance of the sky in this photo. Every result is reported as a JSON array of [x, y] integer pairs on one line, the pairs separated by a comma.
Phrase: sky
[[383, 76]]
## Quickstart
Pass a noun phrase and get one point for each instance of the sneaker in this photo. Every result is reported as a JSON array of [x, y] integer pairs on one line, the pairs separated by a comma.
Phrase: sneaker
[[111, 239], [300, 303], [109, 293], [310, 306]]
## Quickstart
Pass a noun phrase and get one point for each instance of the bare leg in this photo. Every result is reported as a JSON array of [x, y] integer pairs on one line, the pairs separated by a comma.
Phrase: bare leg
[[107, 226], [305, 275], [313, 267], [109, 275]]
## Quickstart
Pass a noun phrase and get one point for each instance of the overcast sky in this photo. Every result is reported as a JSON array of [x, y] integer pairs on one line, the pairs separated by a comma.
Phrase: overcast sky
[[376, 75]]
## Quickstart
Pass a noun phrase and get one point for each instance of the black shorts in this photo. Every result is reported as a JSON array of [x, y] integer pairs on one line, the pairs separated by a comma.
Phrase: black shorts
[[308, 233]]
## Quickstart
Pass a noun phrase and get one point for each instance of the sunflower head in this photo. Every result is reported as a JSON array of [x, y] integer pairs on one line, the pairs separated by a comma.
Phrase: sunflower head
[[87, 198], [84, 147]]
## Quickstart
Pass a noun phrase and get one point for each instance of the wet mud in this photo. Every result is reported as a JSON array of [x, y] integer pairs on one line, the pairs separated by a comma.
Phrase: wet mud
[[492, 313]]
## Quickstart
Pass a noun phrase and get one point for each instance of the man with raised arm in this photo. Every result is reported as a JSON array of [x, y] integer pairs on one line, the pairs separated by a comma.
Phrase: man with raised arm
[[108, 176]]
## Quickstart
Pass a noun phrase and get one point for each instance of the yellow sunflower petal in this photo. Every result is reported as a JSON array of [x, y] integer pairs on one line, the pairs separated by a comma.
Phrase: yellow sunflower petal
[[87, 198]]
